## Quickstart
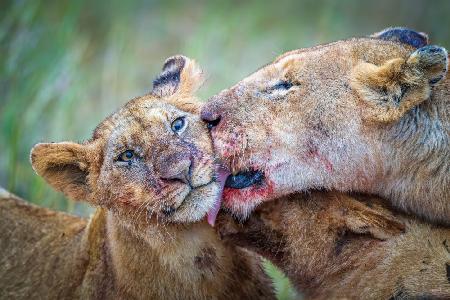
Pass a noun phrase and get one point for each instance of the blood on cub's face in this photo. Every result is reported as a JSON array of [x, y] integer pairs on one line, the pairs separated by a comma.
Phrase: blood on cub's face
[[158, 160]]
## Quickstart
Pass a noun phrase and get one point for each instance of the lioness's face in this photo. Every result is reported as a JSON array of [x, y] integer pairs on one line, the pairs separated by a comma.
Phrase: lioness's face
[[298, 123], [152, 161]]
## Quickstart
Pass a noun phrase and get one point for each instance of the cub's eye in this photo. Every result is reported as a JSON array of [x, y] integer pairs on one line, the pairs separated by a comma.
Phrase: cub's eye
[[126, 156], [178, 125], [282, 85]]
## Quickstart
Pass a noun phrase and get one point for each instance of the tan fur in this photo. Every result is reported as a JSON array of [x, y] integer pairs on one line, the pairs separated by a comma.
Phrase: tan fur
[[144, 241], [363, 114], [368, 79], [334, 246]]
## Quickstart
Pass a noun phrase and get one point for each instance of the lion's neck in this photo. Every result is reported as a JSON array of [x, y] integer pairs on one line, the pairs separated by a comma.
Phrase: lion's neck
[[144, 260], [136, 260], [417, 155]]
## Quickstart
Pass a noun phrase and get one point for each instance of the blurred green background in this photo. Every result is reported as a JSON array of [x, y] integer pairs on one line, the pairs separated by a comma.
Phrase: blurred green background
[[67, 65]]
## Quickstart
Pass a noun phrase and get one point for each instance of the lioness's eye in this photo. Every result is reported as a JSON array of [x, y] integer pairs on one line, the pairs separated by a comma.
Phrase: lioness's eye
[[126, 156], [285, 85], [178, 125], [276, 90]]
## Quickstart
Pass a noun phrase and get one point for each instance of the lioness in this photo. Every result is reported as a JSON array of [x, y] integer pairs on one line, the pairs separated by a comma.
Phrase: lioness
[[335, 246], [149, 168], [366, 114]]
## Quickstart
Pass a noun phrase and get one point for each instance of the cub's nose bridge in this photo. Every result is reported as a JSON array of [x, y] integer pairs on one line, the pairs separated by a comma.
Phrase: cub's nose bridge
[[178, 172], [175, 166]]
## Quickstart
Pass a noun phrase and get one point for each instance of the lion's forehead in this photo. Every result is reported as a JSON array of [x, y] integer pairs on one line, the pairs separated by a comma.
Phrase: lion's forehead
[[337, 56], [301, 61], [143, 125], [346, 52], [354, 45]]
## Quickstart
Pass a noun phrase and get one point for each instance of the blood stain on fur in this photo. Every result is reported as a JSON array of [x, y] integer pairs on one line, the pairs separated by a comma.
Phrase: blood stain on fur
[[251, 193]]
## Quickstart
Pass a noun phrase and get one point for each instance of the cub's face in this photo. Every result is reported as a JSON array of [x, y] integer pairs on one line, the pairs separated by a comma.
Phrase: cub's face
[[158, 159], [152, 161], [310, 118]]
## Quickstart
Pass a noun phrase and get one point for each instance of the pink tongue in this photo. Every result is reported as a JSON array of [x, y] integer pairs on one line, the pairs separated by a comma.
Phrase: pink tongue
[[222, 175], [212, 213]]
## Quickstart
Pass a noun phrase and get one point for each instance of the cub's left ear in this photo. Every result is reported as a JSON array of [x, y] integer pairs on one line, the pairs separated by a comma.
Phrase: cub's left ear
[[390, 90], [180, 76], [64, 166]]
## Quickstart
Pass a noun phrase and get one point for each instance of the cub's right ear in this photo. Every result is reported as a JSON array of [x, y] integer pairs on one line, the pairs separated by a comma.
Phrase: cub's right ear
[[64, 166]]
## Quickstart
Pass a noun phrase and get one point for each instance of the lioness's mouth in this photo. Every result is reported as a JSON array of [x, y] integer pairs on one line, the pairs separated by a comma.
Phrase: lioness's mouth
[[245, 179]]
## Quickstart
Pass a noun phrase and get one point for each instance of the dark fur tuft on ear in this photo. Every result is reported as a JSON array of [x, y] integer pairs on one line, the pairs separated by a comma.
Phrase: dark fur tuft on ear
[[432, 61], [180, 75], [168, 81], [403, 35]]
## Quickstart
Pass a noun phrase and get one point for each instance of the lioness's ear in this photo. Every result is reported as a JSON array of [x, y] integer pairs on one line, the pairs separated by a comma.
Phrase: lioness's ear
[[390, 90], [180, 76], [64, 166], [402, 35]]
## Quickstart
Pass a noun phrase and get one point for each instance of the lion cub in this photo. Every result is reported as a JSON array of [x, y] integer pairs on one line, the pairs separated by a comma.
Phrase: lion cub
[[149, 168], [336, 246], [366, 114]]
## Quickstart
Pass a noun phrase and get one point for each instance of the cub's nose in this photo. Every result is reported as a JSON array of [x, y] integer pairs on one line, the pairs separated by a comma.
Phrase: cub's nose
[[210, 115], [175, 170]]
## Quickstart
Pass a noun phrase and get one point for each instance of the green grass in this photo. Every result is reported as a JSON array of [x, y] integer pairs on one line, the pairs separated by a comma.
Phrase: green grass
[[283, 287], [64, 66]]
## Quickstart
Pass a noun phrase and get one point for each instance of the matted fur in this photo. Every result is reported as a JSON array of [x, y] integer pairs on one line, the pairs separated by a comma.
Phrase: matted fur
[[143, 242], [364, 114], [335, 246]]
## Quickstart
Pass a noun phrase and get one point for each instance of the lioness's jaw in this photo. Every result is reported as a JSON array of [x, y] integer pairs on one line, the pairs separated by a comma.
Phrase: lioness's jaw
[[390, 90]]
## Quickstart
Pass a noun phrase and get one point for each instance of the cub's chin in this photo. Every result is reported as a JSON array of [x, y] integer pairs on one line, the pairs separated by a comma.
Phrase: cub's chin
[[201, 202]]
